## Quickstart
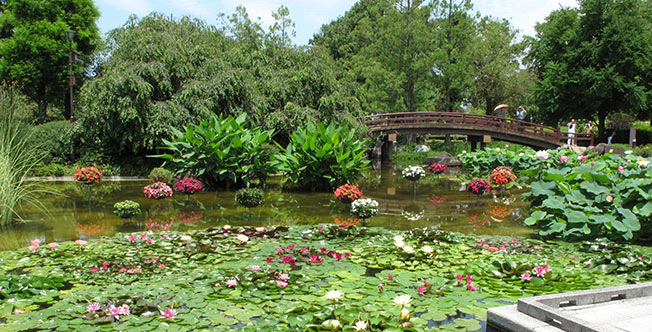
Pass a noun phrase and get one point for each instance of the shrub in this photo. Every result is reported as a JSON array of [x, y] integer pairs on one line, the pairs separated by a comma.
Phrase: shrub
[[249, 197], [221, 152], [643, 150], [157, 190], [364, 208], [608, 196], [126, 209], [188, 186], [320, 157], [413, 173], [160, 174], [437, 168], [53, 139], [348, 193], [88, 175], [478, 186], [501, 176]]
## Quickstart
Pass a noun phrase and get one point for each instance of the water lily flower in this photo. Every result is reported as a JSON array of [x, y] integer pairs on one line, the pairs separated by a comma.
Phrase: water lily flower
[[226, 227], [93, 307], [610, 198], [381, 287], [323, 250], [389, 276], [427, 249], [32, 247], [242, 238], [493, 249], [460, 278], [162, 266], [185, 238], [122, 270], [36, 242], [584, 158], [541, 270], [260, 229], [408, 250], [542, 155], [284, 276], [643, 163], [421, 290], [469, 279], [403, 300], [217, 284], [320, 228], [405, 314], [621, 168], [521, 154], [334, 295], [471, 287], [281, 283], [290, 247], [169, 313], [316, 259], [629, 152], [360, 325], [149, 241], [303, 249], [563, 159], [231, 283], [269, 260], [53, 245], [279, 250], [526, 276], [81, 243], [94, 269], [255, 268], [117, 311]]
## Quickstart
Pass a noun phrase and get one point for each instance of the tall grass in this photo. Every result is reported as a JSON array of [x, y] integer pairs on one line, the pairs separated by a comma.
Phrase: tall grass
[[16, 159]]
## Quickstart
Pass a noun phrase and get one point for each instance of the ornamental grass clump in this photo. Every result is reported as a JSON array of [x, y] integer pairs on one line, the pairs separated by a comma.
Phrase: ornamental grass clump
[[126, 209], [347, 193], [249, 198], [364, 208]]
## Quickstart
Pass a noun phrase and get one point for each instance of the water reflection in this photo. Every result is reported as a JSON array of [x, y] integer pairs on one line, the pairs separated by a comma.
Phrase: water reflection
[[442, 203]]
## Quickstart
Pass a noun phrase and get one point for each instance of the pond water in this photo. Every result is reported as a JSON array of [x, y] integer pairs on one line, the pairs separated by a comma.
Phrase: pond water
[[437, 202]]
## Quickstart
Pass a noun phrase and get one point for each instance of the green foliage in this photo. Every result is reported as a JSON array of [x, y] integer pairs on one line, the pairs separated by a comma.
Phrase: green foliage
[[16, 159], [481, 162], [221, 152], [34, 47], [161, 174], [126, 209], [594, 60], [249, 197], [321, 158], [593, 200], [54, 139], [190, 273], [643, 150]]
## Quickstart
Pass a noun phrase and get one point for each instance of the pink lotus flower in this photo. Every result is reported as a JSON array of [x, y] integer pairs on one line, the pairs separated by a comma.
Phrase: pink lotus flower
[[154, 259], [563, 159], [381, 287], [290, 247], [32, 247], [541, 270], [149, 241], [502, 249], [81, 243], [131, 238], [284, 276], [323, 250], [281, 283], [231, 283], [36, 242], [94, 269], [316, 259], [471, 287], [93, 307], [122, 270], [269, 260], [526, 276], [460, 278], [584, 158], [53, 245], [255, 268], [169, 313], [537, 247], [346, 254], [142, 236], [621, 168], [610, 199], [421, 290], [493, 249]]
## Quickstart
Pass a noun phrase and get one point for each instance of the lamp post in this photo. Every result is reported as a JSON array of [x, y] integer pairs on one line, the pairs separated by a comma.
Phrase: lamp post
[[70, 34]]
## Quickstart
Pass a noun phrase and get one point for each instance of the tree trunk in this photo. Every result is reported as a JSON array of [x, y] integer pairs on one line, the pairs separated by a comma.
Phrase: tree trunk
[[42, 115]]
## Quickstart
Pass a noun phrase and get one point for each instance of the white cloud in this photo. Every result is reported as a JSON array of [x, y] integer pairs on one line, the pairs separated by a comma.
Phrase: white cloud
[[193, 7], [523, 14], [138, 7]]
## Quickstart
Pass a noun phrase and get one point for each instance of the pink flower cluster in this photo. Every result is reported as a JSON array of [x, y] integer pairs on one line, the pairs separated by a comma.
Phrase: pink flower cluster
[[142, 237], [437, 168], [116, 312], [188, 186], [290, 255], [469, 281], [478, 186], [157, 190], [36, 242], [503, 245], [541, 270]]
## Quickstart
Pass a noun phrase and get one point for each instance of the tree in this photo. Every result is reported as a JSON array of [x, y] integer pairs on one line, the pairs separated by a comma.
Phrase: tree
[[595, 60], [34, 47]]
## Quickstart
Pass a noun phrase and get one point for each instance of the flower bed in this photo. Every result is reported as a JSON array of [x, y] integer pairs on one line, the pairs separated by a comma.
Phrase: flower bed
[[275, 279]]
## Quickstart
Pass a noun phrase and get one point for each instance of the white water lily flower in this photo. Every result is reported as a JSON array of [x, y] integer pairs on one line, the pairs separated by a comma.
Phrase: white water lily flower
[[521, 154], [334, 295], [360, 326], [335, 324], [403, 300], [242, 238], [399, 244], [408, 250], [185, 238], [542, 155], [643, 163], [405, 314], [628, 152], [398, 238], [427, 249]]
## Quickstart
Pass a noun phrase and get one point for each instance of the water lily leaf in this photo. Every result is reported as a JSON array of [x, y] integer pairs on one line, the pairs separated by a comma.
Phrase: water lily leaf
[[554, 203]]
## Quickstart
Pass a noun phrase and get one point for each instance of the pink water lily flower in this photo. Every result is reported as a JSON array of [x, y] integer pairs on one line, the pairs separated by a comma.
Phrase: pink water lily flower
[[255, 268], [93, 307], [36, 242], [32, 247], [81, 243], [53, 245], [281, 283], [421, 290], [460, 278], [169, 313], [231, 283], [526, 276], [284, 276], [471, 287]]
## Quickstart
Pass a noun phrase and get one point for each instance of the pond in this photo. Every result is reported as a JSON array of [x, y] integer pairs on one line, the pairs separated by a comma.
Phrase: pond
[[437, 202]]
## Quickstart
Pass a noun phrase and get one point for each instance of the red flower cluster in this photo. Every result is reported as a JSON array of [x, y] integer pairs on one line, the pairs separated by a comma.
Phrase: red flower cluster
[[188, 186], [347, 193], [502, 175], [478, 186], [88, 175], [437, 168], [347, 222]]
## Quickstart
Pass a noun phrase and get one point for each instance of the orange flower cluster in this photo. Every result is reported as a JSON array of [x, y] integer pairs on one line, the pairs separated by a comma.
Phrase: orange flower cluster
[[347, 222], [348, 192], [501, 175], [92, 228], [88, 175]]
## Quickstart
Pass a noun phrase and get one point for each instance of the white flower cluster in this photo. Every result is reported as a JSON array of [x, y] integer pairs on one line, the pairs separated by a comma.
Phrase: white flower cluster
[[542, 155], [399, 242], [413, 173], [412, 215], [364, 208]]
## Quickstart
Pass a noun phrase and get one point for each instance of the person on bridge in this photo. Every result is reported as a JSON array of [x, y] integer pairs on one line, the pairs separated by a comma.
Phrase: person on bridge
[[520, 115], [571, 132]]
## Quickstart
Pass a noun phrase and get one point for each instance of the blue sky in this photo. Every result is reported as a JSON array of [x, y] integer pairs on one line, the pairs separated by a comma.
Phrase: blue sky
[[308, 15]]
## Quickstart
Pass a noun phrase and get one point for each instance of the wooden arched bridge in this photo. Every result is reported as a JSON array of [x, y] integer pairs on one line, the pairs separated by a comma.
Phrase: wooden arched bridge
[[478, 128]]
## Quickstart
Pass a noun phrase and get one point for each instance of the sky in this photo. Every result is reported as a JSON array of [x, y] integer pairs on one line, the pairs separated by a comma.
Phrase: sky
[[308, 15]]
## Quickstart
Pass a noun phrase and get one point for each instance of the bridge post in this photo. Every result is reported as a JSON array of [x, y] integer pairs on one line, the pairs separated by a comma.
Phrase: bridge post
[[387, 149], [474, 140]]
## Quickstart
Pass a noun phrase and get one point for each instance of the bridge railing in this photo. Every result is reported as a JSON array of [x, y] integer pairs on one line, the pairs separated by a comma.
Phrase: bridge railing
[[407, 120]]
